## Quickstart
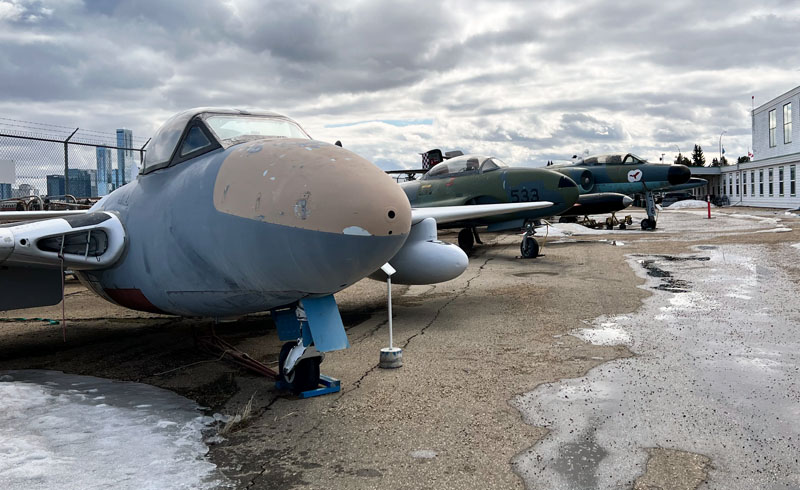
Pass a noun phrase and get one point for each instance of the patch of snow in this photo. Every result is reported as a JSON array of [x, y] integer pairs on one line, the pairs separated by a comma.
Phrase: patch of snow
[[570, 229], [607, 333], [687, 204], [775, 230], [54, 433], [423, 454]]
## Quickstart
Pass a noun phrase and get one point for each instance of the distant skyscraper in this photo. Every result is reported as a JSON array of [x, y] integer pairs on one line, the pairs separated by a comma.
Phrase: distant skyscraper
[[116, 179], [125, 162], [5, 191], [104, 166], [55, 185], [80, 183]]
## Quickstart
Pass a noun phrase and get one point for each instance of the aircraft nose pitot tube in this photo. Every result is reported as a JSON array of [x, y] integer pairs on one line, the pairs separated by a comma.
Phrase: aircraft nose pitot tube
[[678, 174], [342, 216]]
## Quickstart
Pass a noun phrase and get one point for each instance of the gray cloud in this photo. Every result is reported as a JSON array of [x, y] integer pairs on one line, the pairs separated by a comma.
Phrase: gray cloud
[[519, 80]]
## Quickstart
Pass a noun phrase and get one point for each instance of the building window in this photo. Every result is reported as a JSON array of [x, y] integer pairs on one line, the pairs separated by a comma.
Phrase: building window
[[769, 183], [744, 184], [730, 185], [753, 183], [787, 123], [772, 125], [761, 182], [792, 188], [737, 183], [780, 181]]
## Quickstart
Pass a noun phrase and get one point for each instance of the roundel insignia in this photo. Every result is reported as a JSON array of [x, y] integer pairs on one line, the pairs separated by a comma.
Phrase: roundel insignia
[[635, 175]]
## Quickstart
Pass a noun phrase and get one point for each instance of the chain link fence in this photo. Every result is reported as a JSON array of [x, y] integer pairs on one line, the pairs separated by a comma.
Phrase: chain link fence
[[44, 166]]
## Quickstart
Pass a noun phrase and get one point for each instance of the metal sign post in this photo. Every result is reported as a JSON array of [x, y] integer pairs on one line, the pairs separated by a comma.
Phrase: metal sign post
[[391, 357]]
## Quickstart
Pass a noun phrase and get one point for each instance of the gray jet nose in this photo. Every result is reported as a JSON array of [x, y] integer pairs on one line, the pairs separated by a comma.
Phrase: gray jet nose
[[626, 201], [340, 216]]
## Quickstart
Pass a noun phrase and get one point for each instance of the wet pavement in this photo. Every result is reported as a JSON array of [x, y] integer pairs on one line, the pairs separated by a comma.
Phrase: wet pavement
[[715, 374]]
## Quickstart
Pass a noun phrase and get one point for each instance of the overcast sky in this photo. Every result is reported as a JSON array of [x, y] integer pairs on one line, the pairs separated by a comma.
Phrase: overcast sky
[[522, 80]]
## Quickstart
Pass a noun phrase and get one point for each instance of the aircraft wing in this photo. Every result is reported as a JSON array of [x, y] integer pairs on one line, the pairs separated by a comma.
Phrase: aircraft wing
[[11, 216], [694, 182], [33, 253], [447, 214]]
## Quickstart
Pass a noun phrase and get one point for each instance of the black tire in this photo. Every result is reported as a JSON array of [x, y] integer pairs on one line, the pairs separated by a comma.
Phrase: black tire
[[622, 226], [465, 240], [529, 247], [609, 226], [304, 376], [645, 224]]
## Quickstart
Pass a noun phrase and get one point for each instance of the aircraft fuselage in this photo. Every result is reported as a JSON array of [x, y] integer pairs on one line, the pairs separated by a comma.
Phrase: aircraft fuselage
[[251, 227]]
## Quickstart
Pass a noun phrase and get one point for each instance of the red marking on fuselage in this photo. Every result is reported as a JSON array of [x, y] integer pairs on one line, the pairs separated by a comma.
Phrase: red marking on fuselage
[[450, 182], [133, 299]]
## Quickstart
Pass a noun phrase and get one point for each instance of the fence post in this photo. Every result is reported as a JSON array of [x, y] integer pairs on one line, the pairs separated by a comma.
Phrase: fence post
[[66, 163]]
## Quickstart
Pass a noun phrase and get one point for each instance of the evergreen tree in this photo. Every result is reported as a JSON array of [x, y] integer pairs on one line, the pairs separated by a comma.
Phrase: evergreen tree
[[698, 159], [715, 162], [743, 159], [724, 160], [682, 160]]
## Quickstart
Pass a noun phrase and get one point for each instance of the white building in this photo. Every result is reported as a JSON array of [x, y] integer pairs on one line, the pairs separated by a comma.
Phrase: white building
[[770, 179]]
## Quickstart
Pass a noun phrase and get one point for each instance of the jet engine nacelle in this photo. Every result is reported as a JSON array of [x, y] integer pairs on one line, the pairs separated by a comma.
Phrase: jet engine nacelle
[[89, 241], [583, 177], [424, 259]]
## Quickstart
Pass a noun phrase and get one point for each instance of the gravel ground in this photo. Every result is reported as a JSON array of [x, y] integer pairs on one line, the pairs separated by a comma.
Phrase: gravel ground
[[450, 417]]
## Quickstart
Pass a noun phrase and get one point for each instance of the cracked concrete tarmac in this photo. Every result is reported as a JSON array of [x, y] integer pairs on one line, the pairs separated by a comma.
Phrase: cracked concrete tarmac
[[444, 419]]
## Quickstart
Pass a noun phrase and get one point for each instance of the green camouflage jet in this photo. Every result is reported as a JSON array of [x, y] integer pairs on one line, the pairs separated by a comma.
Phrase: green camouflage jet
[[474, 179], [625, 173]]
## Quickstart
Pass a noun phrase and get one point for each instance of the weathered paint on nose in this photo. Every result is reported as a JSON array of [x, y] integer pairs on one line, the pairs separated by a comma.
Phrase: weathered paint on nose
[[313, 186], [678, 174]]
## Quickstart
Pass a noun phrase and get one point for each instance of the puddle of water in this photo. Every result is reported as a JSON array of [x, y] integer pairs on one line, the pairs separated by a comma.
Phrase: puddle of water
[[714, 374]]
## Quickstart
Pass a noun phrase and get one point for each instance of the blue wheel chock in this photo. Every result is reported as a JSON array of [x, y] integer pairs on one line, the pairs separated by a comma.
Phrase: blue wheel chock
[[327, 385]]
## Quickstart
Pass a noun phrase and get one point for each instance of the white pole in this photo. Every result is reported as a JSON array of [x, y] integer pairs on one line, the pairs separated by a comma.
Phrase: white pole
[[389, 283]]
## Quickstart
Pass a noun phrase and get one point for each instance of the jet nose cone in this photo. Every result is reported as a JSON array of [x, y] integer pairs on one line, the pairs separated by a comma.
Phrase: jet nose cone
[[626, 201], [678, 174], [336, 216], [311, 185]]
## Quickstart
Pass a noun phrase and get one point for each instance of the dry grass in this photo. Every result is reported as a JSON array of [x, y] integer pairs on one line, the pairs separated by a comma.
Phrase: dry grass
[[239, 418]]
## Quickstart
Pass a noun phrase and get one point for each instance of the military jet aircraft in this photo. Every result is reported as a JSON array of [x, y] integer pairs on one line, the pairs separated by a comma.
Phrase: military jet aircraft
[[474, 180], [625, 173], [237, 212]]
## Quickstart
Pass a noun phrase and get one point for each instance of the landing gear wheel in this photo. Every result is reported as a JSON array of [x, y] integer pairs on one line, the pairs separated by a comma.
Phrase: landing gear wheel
[[466, 240], [648, 224], [304, 376], [622, 226], [529, 247], [609, 226]]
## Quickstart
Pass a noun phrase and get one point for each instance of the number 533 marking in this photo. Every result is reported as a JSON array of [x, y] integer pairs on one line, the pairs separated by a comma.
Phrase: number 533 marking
[[524, 195]]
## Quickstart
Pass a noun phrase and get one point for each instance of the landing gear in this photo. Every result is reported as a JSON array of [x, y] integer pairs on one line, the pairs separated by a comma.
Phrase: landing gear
[[310, 328], [650, 205], [466, 239], [304, 375], [477, 237], [529, 247]]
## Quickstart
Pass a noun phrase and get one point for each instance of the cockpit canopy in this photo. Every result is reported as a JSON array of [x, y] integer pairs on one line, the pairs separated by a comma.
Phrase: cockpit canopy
[[464, 165], [611, 159], [192, 133]]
